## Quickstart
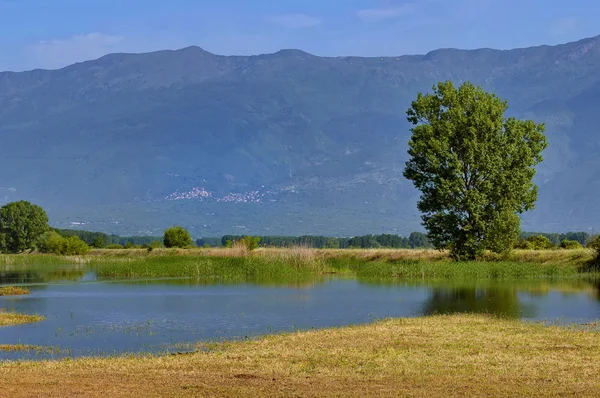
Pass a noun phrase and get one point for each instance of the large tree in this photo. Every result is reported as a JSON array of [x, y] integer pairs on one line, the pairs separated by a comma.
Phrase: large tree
[[474, 167], [21, 224]]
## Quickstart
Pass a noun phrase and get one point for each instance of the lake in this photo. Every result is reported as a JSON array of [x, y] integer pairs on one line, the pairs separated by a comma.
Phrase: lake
[[85, 316]]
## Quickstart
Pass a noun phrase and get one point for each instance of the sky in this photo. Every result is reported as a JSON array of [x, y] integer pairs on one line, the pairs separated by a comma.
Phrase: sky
[[51, 34]]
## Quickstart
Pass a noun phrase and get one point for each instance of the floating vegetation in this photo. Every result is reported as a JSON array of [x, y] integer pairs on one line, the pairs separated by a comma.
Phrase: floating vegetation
[[13, 291], [27, 347], [11, 318]]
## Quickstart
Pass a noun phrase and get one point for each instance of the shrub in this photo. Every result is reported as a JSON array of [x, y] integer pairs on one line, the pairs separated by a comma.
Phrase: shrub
[[250, 242], [177, 237], [536, 242], [155, 244], [52, 242], [594, 243], [99, 242], [115, 246], [570, 244]]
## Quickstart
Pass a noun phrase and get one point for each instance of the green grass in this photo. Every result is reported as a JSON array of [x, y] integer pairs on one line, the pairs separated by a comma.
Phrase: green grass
[[229, 264], [416, 269], [241, 268], [40, 260]]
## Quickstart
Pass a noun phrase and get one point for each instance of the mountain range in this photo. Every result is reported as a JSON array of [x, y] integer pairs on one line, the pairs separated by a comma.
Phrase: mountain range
[[277, 144]]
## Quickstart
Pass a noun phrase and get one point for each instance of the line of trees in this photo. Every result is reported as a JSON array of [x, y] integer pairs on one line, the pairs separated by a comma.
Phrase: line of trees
[[24, 226], [415, 240], [101, 240]]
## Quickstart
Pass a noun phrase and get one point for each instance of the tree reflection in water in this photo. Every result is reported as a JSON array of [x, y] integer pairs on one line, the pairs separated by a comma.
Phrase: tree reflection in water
[[502, 301]]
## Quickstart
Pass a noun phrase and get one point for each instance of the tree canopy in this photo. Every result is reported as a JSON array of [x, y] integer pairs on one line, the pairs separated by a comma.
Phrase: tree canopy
[[177, 237], [21, 224], [473, 166]]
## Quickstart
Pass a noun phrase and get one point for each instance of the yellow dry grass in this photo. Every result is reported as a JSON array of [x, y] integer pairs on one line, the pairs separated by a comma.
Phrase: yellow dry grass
[[11, 318], [13, 291], [438, 356]]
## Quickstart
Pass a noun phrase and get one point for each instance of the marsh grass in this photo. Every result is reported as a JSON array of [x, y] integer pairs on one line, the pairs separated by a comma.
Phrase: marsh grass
[[435, 356], [238, 263], [233, 267], [414, 269], [11, 318], [13, 291]]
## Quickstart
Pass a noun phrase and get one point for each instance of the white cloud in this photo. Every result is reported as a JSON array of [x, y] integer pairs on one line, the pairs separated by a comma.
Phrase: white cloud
[[383, 13], [296, 21], [565, 25], [57, 53]]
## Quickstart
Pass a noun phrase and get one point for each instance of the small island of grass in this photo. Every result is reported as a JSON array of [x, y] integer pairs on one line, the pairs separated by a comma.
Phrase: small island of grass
[[13, 291], [11, 318]]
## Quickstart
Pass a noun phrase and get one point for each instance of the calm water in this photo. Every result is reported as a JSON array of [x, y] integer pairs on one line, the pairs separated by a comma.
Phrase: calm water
[[88, 317]]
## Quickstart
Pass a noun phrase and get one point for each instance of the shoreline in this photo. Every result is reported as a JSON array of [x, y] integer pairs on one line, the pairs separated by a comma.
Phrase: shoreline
[[440, 355]]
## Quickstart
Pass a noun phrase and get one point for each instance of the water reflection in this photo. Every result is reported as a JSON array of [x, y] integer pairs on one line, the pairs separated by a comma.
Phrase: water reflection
[[91, 317], [498, 301], [40, 276]]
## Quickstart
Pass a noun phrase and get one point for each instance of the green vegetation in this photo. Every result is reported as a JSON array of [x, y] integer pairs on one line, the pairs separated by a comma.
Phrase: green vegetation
[[556, 238], [535, 242], [21, 224], [474, 168], [594, 243], [239, 263], [177, 237], [432, 356], [13, 291], [414, 241], [467, 270], [378, 263], [571, 245], [52, 242], [247, 242], [228, 267], [100, 240]]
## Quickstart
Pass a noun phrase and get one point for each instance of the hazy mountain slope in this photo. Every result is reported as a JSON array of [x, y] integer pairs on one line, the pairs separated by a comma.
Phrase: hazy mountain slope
[[305, 144]]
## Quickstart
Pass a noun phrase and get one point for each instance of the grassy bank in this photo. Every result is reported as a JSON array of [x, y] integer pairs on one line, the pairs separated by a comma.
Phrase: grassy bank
[[11, 318], [445, 356], [236, 264]]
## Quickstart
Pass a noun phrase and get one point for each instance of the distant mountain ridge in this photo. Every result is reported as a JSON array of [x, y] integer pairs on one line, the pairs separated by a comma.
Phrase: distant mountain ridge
[[286, 143]]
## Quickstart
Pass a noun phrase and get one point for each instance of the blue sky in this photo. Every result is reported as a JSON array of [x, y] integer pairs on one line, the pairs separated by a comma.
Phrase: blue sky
[[55, 33]]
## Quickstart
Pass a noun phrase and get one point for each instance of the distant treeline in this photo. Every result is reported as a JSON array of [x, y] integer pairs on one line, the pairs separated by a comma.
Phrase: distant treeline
[[556, 239], [100, 239], [415, 240]]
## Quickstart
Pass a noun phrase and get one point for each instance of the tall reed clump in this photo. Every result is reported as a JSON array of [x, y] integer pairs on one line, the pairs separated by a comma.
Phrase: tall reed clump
[[300, 258]]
